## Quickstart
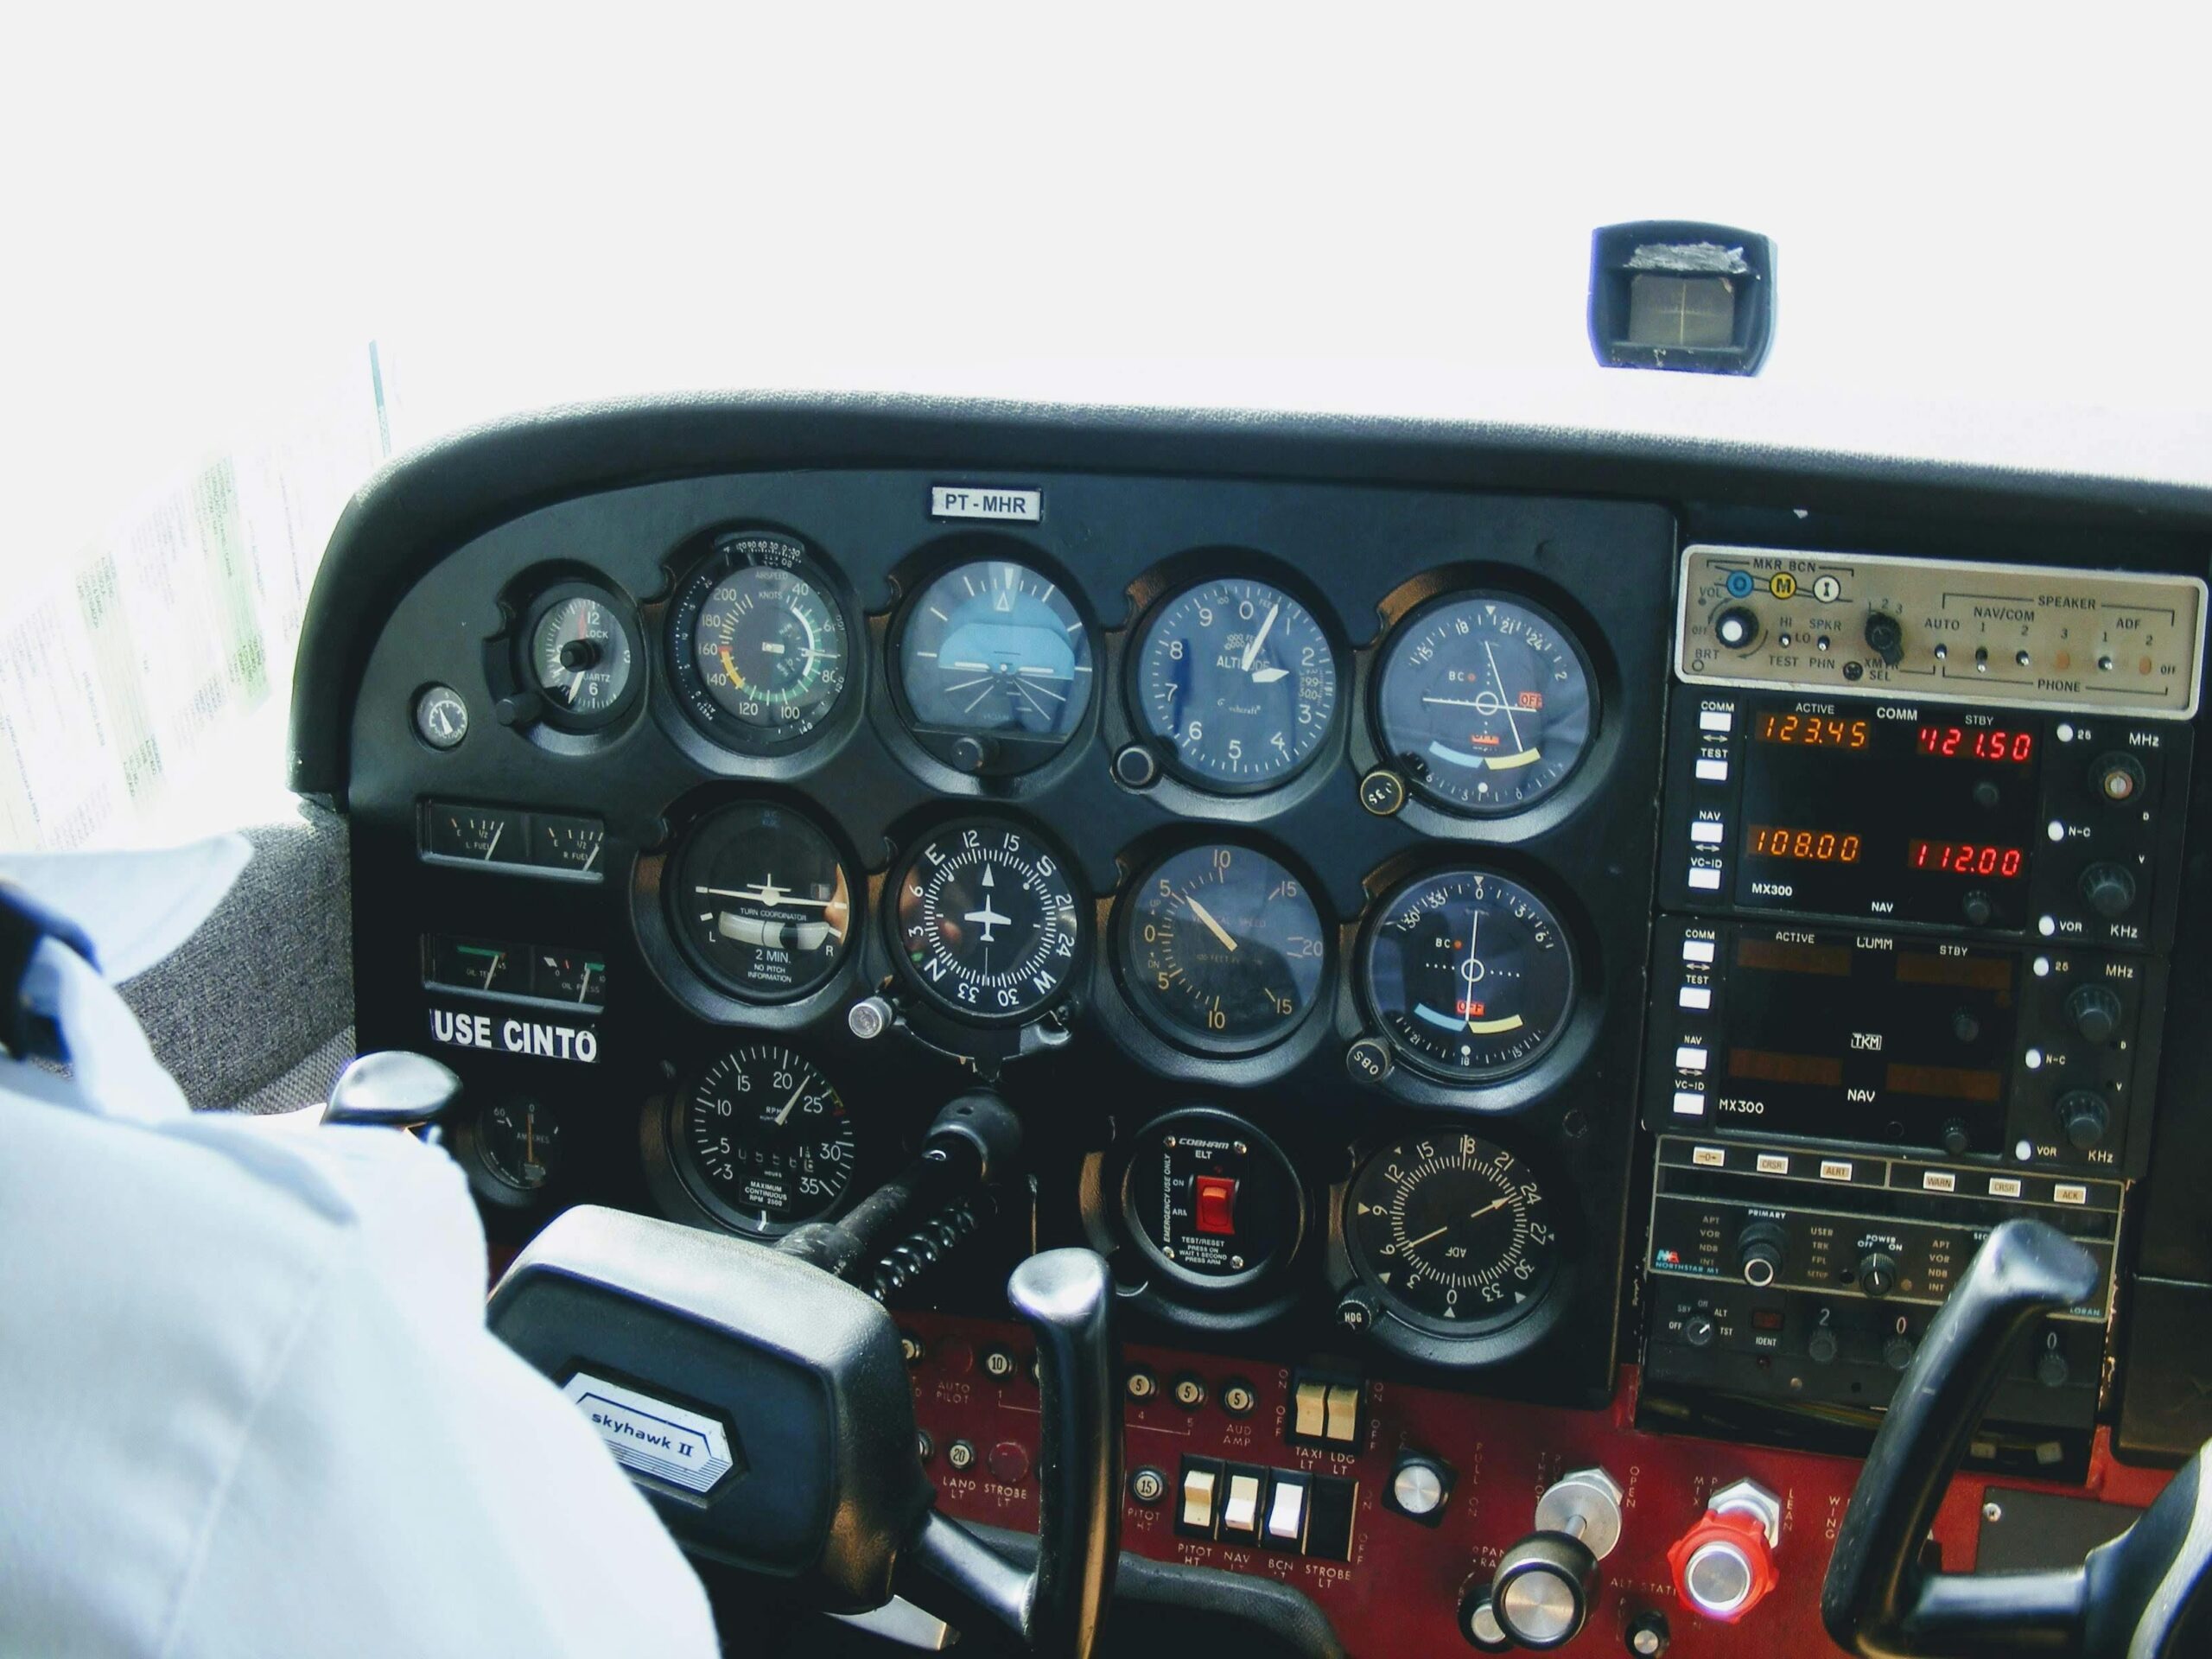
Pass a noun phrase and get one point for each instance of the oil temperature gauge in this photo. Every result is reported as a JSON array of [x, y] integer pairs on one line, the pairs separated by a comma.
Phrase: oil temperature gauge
[[1210, 1201]]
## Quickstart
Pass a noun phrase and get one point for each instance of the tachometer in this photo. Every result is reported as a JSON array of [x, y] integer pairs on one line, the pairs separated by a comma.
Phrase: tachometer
[[986, 924], [1469, 974], [762, 1140], [1484, 703], [760, 644], [1238, 680], [1223, 949], [1451, 1233], [761, 902]]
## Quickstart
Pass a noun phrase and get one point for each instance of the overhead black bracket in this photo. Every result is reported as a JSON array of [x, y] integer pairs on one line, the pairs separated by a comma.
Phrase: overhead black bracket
[[1674, 293]]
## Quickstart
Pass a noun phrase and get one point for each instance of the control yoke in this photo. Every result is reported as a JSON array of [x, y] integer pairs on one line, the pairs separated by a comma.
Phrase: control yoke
[[793, 1385], [2138, 1596]]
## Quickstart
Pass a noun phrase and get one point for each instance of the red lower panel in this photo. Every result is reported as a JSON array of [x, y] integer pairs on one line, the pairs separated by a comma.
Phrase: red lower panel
[[1400, 1590]]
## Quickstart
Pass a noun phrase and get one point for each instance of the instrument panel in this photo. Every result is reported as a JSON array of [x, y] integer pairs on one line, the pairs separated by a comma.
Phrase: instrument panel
[[1441, 941], [1239, 863]]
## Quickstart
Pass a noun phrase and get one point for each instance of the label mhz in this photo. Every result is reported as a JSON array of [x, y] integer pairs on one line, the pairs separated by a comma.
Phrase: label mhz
[[959, 501], [651, 1436]]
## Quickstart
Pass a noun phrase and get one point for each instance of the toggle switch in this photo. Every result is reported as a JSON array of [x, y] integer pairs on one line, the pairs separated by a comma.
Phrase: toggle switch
[[1217, 1206]]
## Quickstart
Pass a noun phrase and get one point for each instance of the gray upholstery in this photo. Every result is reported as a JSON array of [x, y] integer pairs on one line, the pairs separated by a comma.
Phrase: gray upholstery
[[256, 1010]]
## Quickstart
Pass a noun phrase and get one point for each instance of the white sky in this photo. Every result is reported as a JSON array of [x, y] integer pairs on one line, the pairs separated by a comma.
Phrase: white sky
[[1359, 207]]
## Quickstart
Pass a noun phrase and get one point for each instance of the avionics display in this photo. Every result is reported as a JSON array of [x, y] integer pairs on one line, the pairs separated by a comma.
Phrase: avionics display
[[1888, 818]]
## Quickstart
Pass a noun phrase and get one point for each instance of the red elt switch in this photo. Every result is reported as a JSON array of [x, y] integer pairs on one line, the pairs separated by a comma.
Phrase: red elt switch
[[1217, 1206]]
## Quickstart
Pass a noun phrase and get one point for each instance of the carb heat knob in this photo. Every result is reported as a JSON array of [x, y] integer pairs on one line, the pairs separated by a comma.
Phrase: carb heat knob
[[2094, 1010], [2084, 1116], [1885, 637], [2109, 888]]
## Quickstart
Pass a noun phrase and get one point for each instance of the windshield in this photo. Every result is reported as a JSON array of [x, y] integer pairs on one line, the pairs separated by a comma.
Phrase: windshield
[[254, 262]]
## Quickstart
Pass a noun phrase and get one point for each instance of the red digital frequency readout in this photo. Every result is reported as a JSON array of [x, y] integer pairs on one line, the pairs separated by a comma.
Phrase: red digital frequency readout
[[1966, 857], [1976, 743]]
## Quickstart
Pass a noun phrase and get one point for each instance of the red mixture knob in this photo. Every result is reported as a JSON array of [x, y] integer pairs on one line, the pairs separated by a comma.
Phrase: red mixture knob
[[1723, 1566]]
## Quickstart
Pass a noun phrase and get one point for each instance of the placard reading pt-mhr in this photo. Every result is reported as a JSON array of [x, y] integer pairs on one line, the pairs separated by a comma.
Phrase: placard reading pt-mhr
[[964, 501]]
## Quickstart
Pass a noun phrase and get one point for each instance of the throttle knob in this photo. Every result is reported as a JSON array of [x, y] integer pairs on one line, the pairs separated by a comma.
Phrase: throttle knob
[[1723, 1566], [2110, 890]]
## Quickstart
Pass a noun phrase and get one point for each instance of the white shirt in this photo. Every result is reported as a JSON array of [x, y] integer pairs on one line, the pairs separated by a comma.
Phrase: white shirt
[[247, 1401]]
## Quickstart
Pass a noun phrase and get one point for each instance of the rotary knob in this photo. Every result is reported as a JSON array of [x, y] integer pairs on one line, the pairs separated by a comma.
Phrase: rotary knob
[[2084, 1116], [1724, 1566], [2117, 778], [2109, 888], [1737, 627], [1541, 1593], [1759, 1250], [2094, 1010], [1877, 1273], [1885, 637]]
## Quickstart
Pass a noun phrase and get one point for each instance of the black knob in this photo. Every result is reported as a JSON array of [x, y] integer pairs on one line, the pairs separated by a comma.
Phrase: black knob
[[1759, 1250], [523, 708], [1897, 1353], [1977, 908], [1956, 1140], [2109, 888], [2051, 1369], [2084, 1116], [1356, 1308], [1877, 1273], [577, 654], [972, 754], [1542, 1591], [1821, 1347], [1479, 1621], [1646, 1635], [2094, 1010], [1699, 1330], [1136, 767], [2117, 777], [1885, 637], [1737, 627]]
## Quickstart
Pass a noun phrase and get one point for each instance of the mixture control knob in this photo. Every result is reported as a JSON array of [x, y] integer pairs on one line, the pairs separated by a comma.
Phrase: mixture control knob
[[1541, 1592], [2084, 1116], [2117, 777], [1885, 637], [2094, 1010], [1877, 1273], [1724, 1566], [1737, 627], [2109, 888], [1759, 1250]]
